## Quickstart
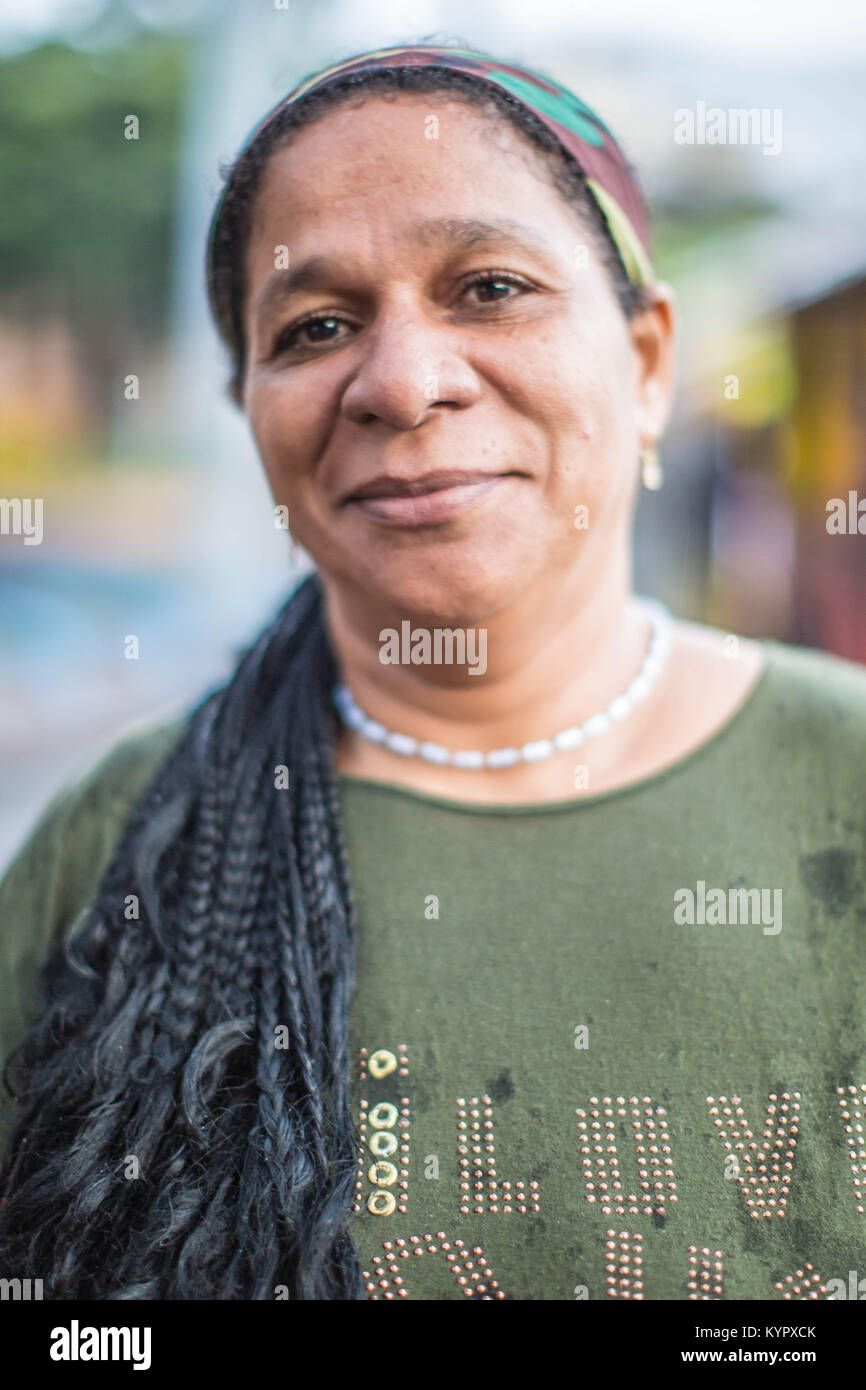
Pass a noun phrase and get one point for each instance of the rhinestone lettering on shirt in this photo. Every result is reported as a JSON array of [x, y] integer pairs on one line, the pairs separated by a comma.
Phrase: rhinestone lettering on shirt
[[761, 1167]]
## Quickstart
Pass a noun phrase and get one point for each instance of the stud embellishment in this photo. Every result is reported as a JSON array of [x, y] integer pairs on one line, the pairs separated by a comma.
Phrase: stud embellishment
[[852, 1103], [383, 1143], [802, 1286], [481, 1188], [763, 1172], [381, 1203], [391, 1271], [383, 1174], [382, 1063], [603, 1180], [623, 1264], [706, 1268], [383, 1126], [384, 1115]]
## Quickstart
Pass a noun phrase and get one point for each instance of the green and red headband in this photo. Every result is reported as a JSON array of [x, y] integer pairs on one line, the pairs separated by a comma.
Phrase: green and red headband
[[575, 125]]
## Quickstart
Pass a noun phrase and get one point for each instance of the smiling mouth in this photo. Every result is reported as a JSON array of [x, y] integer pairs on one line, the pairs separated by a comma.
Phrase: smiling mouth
[[424, 501]]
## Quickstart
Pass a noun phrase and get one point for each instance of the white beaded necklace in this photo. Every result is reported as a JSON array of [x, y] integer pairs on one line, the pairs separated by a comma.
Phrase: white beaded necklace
[[471, 759]]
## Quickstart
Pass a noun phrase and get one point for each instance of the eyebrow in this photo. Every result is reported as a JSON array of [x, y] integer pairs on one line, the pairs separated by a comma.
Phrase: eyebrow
[[468, 231], [316, 272]]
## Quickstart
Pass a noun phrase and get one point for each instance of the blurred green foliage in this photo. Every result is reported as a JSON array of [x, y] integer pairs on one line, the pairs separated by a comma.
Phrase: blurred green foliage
[[86, 226]]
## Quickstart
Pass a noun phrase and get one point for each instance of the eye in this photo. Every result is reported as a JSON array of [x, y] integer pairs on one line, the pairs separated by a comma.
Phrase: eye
[[494, 286], [319, 330]]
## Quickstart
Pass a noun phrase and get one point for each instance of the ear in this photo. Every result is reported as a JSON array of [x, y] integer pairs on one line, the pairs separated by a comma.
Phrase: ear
[[653, 337]]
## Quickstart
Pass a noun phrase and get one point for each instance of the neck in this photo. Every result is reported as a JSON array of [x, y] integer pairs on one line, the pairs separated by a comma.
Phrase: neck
[[554, 656]]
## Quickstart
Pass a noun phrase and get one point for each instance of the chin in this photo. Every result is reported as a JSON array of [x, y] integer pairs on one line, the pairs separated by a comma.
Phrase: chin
[[455, 590]]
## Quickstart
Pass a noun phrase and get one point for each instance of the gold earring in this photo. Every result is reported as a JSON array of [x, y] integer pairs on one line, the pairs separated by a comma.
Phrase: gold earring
[[651, 472]]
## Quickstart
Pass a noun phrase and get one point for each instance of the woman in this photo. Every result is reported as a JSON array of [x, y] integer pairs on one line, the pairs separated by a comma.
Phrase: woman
[[534, 958]]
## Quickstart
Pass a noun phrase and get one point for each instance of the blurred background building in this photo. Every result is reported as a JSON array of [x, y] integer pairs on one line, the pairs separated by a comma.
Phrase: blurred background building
[[156, 522]]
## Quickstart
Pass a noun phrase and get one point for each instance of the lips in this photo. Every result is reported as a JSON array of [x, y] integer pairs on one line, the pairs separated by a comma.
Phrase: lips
[[425, 501], [389, 485]]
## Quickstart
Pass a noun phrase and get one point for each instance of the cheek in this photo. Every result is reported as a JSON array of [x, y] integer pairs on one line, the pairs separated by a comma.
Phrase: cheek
[[289, 426], [589, 408], [286, 425]]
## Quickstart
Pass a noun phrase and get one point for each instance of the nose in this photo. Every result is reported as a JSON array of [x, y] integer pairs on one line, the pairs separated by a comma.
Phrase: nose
[[412, 367]]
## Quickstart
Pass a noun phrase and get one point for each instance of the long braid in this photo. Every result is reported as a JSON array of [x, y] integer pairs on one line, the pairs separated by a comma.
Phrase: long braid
[[204, 1046]]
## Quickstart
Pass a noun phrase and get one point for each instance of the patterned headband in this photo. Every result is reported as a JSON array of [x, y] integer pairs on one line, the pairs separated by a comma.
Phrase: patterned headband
[[574, 124]]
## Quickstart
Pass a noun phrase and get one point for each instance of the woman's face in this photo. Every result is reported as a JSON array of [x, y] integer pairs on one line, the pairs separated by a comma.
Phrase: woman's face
[[439, 372]]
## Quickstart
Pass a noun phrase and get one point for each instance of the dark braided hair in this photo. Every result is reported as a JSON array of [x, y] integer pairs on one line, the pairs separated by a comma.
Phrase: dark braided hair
[[185, 1128], [161, 1037]]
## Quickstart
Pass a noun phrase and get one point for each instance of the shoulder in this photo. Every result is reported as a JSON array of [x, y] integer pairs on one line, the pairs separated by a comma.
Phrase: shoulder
[[809, 728], [799, 683], [104, 793], [54, 875], [816, 690], [805, 726], [122, 773], [77, 830], [789, 707]]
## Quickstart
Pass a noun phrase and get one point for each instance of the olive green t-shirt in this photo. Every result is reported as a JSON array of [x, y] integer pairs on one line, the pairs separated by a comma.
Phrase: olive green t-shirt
[[609, 1047]]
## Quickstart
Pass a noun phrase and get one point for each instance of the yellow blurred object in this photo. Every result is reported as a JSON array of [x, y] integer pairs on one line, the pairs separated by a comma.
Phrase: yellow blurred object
[[760, 376]]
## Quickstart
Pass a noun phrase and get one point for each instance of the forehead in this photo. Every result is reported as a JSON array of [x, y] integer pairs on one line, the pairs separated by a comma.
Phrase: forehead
[[390, 162]]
